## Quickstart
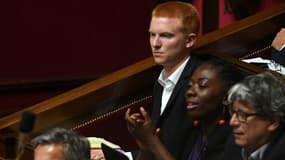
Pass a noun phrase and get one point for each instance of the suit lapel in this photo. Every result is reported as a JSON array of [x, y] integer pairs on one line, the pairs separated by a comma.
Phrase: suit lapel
[[185, 76], [156, 102]]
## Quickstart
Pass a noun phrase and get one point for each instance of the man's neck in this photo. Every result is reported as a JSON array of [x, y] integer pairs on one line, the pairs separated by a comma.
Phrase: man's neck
[[169, 69], [260, 143]]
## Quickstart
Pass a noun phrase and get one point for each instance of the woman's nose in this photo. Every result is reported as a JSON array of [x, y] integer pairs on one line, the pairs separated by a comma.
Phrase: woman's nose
[[190, 92]]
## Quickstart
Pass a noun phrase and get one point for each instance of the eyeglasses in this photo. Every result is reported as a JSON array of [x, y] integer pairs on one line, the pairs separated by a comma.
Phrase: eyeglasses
[[241, 116]]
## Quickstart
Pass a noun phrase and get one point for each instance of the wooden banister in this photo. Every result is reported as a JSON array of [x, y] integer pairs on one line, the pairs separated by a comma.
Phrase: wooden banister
[[86, 103]]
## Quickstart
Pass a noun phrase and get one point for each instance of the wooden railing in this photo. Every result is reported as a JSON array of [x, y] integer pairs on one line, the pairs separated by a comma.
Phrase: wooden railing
[[89, 105]]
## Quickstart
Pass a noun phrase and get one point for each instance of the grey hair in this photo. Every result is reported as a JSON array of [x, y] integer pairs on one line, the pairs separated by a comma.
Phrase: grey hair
[[264, 91], [75, 147]]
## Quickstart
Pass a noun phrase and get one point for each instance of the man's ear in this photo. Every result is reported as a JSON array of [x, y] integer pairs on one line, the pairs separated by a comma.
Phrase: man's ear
[[274, 124], [191, 39]]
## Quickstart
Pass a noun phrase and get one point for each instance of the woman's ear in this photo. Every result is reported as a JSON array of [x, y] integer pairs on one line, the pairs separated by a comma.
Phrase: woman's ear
[[191, 39], [225, 101]]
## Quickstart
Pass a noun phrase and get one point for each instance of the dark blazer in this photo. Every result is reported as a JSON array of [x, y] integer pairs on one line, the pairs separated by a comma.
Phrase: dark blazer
[[274, 151], [278, 56], [214, 150], [174, 114]]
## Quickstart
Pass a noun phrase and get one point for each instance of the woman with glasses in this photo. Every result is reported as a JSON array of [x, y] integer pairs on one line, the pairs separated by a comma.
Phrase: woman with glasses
[[257, 109], [209, 131]]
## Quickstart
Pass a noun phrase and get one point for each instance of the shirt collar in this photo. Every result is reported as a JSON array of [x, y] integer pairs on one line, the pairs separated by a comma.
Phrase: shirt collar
[[282, 47], [174, 77], [256, 155]]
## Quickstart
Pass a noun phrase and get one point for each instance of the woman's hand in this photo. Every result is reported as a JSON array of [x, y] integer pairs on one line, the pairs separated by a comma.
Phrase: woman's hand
[[141, 127]]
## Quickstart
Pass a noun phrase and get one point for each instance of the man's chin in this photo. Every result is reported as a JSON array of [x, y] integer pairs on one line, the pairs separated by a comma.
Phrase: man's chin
[[159, 61], [239, 142]]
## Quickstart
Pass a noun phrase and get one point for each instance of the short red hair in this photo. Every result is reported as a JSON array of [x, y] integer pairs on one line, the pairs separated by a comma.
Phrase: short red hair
[[181, 10]]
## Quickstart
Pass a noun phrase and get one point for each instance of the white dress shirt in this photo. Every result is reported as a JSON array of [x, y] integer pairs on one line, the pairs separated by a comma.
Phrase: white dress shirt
[[283, 46], [168, 83]]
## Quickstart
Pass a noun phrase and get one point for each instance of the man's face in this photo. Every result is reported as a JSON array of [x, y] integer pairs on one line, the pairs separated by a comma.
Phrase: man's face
[[255, 131], [168, 43], [49, 152]]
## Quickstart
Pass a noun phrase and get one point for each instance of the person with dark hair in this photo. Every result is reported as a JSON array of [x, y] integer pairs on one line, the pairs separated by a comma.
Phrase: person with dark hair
[[257, 109], [206, 105], [61, 144]]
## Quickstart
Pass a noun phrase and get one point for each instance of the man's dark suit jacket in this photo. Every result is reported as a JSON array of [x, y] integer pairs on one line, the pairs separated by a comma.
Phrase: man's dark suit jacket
[[174, 114], [274, 151], [278, 56]]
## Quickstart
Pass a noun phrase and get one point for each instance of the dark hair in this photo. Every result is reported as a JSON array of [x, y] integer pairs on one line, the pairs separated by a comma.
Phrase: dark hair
[[229, 76], [264, 91], [227, 71], [74, 146]]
